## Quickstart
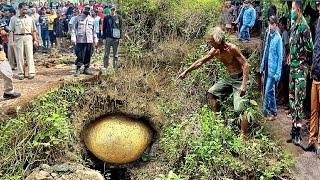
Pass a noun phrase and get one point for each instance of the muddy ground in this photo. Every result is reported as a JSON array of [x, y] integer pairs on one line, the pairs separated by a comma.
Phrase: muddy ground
[[307, 165]]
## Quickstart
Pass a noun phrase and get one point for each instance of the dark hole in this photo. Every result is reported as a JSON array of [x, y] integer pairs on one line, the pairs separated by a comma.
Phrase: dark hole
[[107, 170]]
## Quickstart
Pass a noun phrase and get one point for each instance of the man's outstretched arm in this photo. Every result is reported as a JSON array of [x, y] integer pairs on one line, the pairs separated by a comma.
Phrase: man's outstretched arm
[[199, 62], [245, 70]]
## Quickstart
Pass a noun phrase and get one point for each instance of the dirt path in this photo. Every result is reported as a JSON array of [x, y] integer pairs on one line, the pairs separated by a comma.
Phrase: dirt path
[[51, 72], [307, 165]]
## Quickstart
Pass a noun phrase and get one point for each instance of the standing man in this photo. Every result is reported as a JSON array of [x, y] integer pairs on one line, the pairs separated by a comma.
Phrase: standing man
[[301, 46], [112, 32], [51, 18], [85, 37], [6, 75], [44, 23], [283, 95], [246, 20], [314, 137], [24, 33], [271, 67], [10, 54], [238, 73], [60, 29]]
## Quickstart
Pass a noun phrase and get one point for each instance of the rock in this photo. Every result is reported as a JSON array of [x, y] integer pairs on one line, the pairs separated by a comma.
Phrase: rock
[[117, 139], [62, 168], [44, 167], [65, 172]]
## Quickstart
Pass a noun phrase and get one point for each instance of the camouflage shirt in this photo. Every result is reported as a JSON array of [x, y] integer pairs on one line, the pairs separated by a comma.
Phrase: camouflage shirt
[[301, 47]]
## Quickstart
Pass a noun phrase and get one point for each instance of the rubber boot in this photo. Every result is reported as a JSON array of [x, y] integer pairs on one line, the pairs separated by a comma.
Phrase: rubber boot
[[292, 134], [297, 138]]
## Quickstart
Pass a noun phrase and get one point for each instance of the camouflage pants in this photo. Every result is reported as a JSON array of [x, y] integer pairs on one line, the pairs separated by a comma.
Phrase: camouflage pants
[[297, 94]]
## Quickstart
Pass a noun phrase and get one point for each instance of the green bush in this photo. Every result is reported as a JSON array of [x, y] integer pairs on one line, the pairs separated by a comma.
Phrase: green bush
[[203, 147], [39, 135]]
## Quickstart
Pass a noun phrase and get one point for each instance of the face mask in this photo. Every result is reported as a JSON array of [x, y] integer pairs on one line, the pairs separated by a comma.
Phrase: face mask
[[86, 13], [293, 15]]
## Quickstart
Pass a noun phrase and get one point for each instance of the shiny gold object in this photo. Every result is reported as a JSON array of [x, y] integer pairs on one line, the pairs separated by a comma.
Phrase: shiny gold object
[[117, 139]]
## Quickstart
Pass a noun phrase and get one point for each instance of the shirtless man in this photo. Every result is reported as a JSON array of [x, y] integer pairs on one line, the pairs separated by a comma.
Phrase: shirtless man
[[237, 67]]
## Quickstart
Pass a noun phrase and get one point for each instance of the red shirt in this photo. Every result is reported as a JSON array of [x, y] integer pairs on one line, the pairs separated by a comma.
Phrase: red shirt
[[80, 8], [102, 16], [96, 6]]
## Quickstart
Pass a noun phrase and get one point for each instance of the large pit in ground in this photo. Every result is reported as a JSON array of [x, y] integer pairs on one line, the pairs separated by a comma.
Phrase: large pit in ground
[[117, 139]]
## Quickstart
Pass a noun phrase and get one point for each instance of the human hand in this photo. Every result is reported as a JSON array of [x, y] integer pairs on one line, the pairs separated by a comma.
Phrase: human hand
[[182, 75], [35, 43], [242, 90], [276, 78]]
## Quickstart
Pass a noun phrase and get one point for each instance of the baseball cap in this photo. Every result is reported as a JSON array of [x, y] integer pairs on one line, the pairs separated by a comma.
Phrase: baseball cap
[[317, 2], [113, 6]]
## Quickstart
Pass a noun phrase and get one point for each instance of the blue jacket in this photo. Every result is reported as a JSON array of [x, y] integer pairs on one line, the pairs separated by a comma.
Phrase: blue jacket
[[249, 16], [274, 56]]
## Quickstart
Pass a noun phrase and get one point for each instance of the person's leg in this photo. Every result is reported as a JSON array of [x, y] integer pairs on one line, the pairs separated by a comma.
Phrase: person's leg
[[291, 93], [88, 54], [19, 53], [79, 51], [51, 38], [314, 119], [317, 119], [241, 34], [43, 38], [266, 99], [219, 90], [6, 74], [213, 102], [115, 46], [301, 84], [58, 43], [272, 96], [11, 57], [29, 55], [107, 52], [298, 114], [247, 33]]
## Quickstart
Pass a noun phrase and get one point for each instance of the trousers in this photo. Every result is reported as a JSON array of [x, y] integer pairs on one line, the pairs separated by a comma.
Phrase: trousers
[[269, 103], [314, 136], [23, 45], [6, 74], [114, 43], [83, 52], [244, 33]]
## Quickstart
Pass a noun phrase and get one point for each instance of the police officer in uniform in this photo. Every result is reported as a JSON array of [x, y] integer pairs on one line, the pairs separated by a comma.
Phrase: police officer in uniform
[[84, 37], [24, 33]]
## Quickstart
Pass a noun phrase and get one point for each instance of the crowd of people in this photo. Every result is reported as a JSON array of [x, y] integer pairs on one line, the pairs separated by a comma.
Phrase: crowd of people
[[244, 19], [26, 28], [288, 58]]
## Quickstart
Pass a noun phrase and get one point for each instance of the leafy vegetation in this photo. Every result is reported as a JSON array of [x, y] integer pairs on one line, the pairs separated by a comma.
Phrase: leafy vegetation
[[194, 143], [39, 135]]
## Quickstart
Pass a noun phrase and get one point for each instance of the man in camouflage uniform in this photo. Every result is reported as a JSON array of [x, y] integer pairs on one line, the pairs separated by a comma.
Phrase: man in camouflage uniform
[[301, 46]]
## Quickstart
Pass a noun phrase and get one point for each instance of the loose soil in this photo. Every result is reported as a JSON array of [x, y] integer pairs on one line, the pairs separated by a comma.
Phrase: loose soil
[[307, 165]]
